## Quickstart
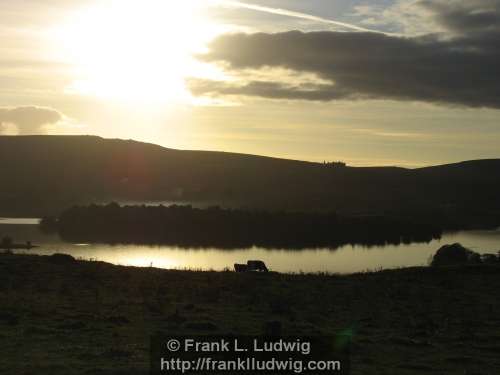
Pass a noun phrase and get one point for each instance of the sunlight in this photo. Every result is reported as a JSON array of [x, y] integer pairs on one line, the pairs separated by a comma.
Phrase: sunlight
[[147, 260], [137, 51]]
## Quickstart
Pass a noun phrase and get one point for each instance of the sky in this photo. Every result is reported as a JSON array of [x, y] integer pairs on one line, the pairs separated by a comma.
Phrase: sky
[[391, 82]]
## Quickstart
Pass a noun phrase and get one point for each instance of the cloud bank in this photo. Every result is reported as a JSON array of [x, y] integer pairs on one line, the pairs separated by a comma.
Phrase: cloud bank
[[28, 120], [458, 67]]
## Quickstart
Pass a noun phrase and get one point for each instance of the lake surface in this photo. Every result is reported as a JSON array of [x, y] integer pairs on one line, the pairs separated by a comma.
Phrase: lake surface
[[345, 259]]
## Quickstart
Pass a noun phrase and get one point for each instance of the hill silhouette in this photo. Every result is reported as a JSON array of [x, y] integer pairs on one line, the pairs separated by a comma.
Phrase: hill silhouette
[[42, 175]]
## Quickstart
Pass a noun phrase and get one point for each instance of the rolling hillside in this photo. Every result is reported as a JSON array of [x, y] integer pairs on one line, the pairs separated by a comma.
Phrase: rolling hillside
[[41, 175]]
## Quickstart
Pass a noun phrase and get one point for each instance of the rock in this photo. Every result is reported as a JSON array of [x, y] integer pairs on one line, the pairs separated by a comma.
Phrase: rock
[[454, 255]]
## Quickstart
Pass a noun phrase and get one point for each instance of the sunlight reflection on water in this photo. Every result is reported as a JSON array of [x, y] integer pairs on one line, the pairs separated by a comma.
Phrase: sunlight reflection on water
[[19, 221], [345, 259]]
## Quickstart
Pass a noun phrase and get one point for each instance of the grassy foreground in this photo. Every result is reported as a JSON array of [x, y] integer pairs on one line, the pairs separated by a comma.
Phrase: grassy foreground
[[84, 317]]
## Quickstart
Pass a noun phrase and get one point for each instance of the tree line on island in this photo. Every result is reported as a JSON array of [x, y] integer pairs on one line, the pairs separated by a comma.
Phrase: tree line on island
[[186, 226]]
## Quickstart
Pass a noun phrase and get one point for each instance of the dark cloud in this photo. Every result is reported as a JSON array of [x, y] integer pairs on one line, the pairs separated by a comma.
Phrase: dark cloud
[[465, 17], [462, 70], [268, 89], [28, 119]]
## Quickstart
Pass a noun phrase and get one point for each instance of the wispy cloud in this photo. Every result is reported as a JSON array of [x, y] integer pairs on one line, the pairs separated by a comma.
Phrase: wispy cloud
[[391, 134], [294, 14]]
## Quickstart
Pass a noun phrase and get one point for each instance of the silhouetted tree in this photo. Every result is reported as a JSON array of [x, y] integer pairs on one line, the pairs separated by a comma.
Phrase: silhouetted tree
[[230, 228]]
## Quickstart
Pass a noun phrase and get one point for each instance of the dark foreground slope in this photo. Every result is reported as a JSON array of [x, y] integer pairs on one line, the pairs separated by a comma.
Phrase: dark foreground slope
[[41, 175], [95, 318]]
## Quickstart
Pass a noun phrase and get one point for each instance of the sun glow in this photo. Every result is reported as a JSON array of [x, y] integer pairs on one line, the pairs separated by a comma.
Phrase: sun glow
[[148, 260], [138, 51]]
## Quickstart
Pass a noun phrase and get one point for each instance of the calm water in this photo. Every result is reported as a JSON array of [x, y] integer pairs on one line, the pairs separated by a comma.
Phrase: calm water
[[345, 259]]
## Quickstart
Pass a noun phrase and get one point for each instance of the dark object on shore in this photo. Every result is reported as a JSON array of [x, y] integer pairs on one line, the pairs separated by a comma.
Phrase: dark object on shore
[[8, 244], [257, 265], [251, 266], [62, 259], [454, 255]]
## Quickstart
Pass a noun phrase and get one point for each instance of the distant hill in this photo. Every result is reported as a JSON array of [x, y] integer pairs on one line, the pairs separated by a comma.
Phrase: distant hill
[[42, 175]]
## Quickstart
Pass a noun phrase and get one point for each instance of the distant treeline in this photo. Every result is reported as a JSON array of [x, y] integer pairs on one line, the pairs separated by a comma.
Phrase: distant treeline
[[186, 226]]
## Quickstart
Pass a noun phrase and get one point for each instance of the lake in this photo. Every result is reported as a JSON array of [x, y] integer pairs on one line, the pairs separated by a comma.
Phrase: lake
[[345, 259]]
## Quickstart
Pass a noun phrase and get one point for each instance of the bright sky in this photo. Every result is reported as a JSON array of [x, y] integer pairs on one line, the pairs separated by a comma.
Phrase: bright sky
[[405, 82]]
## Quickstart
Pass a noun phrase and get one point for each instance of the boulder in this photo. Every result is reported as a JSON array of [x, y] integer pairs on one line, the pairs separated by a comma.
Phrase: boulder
[[454, 255]]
